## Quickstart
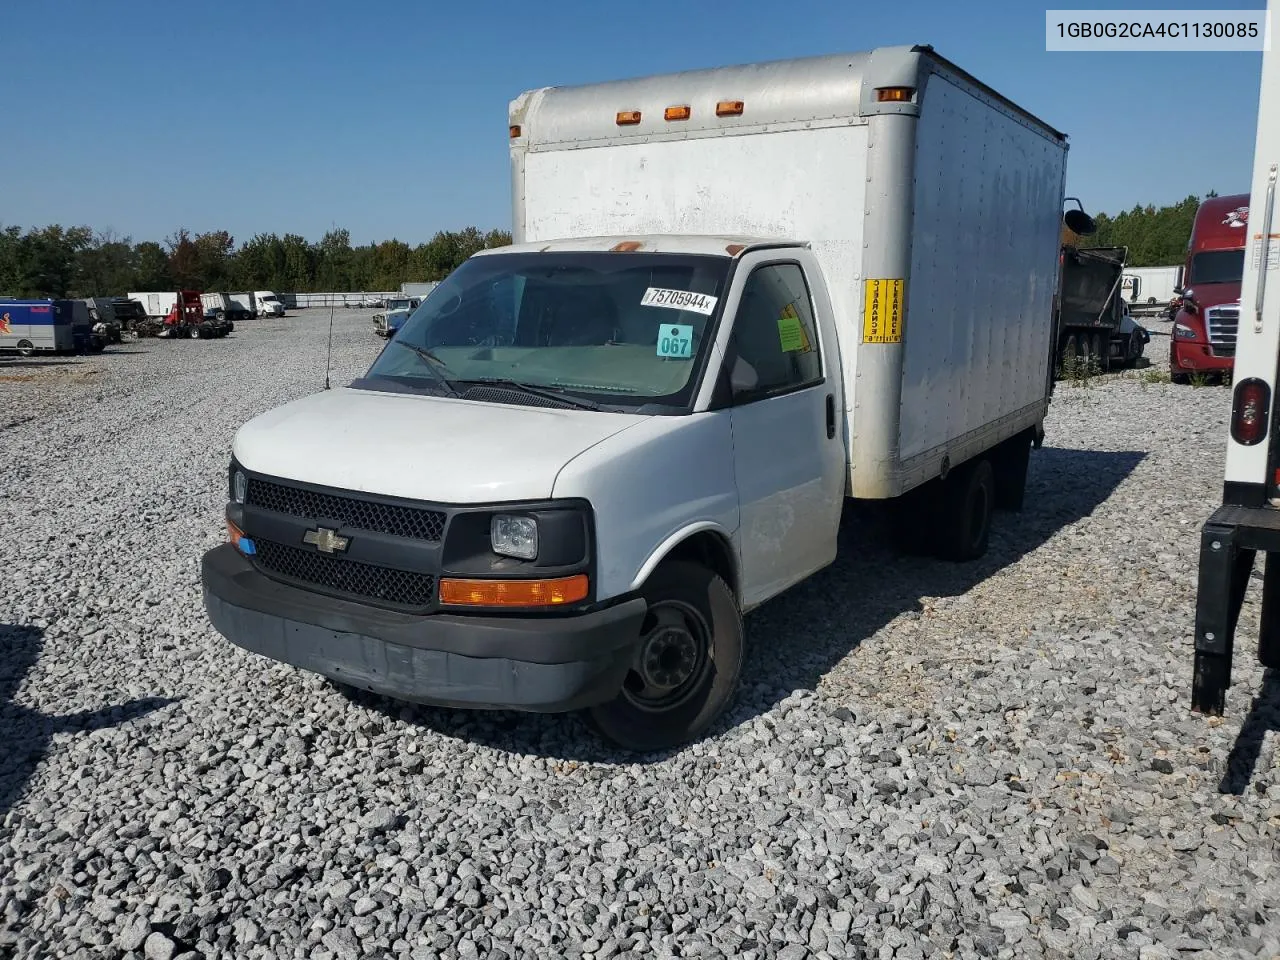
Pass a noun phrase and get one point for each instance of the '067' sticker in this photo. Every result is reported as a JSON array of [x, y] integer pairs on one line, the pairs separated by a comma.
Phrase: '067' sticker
[[679, 300]]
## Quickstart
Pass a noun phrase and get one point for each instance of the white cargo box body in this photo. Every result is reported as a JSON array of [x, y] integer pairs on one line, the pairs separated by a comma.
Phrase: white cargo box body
[[215, 301], [156, 304], [953, 197], [1154, 286]]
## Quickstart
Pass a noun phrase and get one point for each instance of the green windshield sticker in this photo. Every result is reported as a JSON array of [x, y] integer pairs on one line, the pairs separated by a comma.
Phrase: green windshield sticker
[[675, 340], [791, 331]]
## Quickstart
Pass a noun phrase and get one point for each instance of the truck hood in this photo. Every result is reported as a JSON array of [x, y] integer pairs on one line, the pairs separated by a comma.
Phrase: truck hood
[[421, 447]]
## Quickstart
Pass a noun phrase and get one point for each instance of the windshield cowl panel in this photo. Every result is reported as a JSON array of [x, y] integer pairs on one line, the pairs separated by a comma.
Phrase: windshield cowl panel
[[621, 330]]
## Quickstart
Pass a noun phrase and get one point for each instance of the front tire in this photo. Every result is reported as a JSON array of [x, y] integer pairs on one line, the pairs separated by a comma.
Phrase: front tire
[[26, 348], [687, 664]]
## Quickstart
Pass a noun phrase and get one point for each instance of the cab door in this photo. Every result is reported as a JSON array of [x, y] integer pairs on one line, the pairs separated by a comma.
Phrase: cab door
[[785, 406]]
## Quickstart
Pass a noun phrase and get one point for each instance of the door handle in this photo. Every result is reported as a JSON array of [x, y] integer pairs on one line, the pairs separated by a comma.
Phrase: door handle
[[831, 416]]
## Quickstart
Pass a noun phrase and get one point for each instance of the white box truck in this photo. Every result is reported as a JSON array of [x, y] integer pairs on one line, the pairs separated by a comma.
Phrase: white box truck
[[1248, 522], [737, 296]]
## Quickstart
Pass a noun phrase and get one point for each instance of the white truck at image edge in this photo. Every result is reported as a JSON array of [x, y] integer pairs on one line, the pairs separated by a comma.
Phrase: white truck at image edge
[[814, 289], [1248, 522]]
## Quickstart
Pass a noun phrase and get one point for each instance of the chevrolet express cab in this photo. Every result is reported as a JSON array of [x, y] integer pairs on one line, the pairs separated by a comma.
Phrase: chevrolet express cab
[[737, 297]]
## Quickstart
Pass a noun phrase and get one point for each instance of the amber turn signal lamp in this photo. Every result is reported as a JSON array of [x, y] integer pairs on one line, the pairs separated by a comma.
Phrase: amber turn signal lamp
[[513, 593]]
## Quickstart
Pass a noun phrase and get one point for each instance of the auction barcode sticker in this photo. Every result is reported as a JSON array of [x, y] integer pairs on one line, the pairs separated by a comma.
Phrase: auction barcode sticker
[[679, 300]]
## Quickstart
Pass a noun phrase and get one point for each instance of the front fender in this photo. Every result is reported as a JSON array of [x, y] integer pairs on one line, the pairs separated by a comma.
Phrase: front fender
[[651, 486], [671, 543]]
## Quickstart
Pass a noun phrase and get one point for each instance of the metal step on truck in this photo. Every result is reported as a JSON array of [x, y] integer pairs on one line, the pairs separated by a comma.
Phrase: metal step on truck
[[1248, 522], [736, 298]]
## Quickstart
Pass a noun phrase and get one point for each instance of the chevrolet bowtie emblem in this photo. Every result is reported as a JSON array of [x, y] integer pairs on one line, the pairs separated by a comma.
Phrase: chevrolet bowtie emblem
[[325, 540]]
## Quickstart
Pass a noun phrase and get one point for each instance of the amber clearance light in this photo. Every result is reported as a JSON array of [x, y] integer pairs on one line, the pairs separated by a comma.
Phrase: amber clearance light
[[677, 113], [514, 593], [894, 94]]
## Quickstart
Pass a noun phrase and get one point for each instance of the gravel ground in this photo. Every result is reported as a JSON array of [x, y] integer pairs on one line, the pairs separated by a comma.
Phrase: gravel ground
[[991, 760]]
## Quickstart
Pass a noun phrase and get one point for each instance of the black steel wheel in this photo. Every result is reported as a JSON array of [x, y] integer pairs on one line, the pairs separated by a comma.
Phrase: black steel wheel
[[26, 348], [968, 504], [687, 662]]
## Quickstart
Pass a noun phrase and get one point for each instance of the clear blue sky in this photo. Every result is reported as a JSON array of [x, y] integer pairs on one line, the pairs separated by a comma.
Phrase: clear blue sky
[[389, 117]]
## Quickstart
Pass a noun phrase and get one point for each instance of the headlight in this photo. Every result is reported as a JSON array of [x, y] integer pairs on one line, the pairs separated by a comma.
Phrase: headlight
[[239, 487], [1183, 332], [514, 536]]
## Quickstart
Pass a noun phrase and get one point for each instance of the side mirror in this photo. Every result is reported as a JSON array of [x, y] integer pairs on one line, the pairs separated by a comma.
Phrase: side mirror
[[1079, 222]]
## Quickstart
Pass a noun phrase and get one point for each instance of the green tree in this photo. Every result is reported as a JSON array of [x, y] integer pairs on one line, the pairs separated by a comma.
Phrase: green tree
[[151, 267]]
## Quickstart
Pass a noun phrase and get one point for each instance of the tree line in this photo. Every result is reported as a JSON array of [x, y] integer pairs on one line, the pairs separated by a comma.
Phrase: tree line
[[1156, 237], [54, 261]]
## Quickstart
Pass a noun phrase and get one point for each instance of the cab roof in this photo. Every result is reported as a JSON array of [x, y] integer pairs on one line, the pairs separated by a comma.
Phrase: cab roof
[[715, 245]]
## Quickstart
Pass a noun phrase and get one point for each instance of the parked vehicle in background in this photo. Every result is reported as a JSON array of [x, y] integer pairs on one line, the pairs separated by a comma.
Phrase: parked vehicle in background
[[222, 307], [158, 304], [268, 304], [394, 315], [258, 303], [1088, 309], [103, 317], [128, 313], [419, 290], [1206, 324], [585, 455], [1149, 289], [1133, 336], [30, 326], [1248, 522]]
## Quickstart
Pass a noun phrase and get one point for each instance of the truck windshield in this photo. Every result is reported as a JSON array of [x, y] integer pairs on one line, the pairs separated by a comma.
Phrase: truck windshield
[[623, 329], [1217, 266]]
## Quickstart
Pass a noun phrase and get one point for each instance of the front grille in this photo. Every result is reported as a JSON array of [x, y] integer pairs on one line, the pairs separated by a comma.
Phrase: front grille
[[400, 587], [1224, 322], [414, 523]]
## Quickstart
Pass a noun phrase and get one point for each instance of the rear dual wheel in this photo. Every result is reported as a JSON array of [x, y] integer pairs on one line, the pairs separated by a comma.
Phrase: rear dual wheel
[[968, 502], [687, 663]]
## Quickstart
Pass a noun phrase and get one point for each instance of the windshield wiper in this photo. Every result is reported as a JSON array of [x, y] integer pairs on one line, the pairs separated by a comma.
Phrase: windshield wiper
[[546, 393], [438, 366]]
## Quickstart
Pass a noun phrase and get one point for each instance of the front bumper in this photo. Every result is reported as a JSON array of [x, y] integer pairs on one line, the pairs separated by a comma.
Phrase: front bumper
[[1187, 356], [545, 664]]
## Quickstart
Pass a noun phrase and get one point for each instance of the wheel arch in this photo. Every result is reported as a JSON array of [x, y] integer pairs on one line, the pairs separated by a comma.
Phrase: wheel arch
[[706, 543]]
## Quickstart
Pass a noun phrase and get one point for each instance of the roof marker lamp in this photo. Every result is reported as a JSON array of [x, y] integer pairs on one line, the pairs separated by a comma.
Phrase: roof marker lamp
[[511, 536]]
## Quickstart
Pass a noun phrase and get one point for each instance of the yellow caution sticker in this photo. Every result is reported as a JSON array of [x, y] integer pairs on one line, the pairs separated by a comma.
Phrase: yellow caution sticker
[[882, 311]]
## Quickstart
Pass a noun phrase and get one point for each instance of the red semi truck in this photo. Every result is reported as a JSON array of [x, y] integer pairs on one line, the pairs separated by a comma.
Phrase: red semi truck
[[1204, 329]]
